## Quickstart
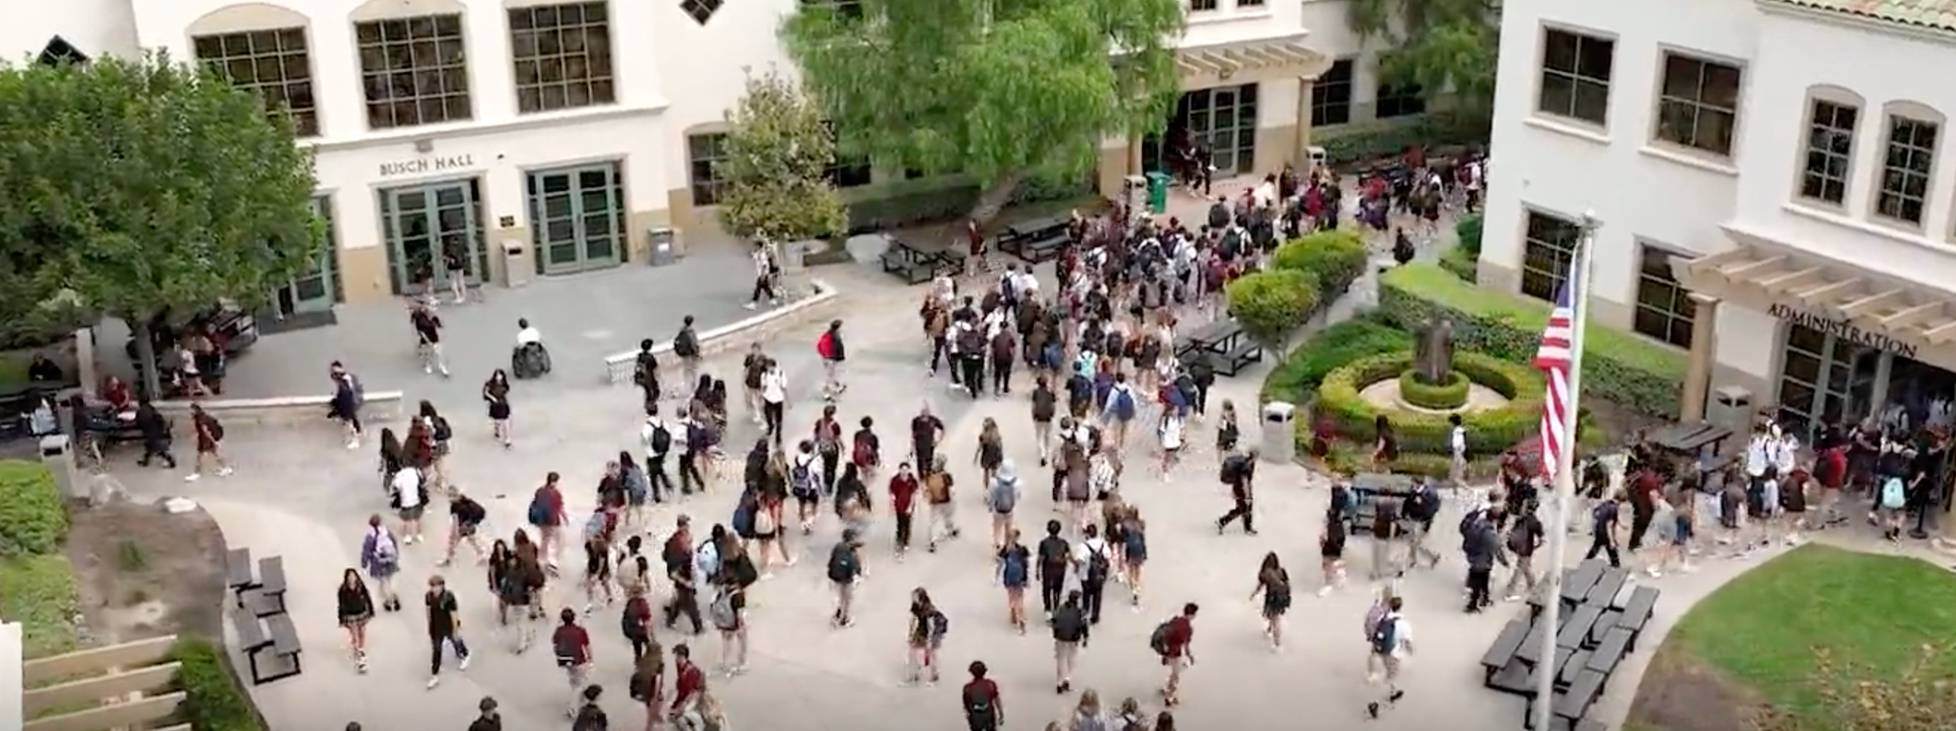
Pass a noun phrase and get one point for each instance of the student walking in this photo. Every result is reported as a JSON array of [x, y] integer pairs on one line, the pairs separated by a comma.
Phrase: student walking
[[209, 434], [546, 514], [1524, 538], [647, 684], [943, 511], [927, 629], [688, 689], [903, 494], [1134, 550], [984, 708], [490, 720], [686, 347], [347, 397], [828, 444], [156, 434], [1603, 521], [926, 432], [829, 346], [1390, 638], [1385, 529], [1044, 404], [380, 555], [356, 608], [681, 569], [1093, 563], [1120, 409], [427, 330], [572, 646], [1331, 552], [495, 392], [1482, 544], [845, 569], [1420, 509], [729, 610], [465, 521], [765, 270], [698, 441], [1273, 582], [1054, 558], [1238, 472], [990, 452], [1001, 498], [1174, 641], [645, 373], [635, 621], [1014, 570], [444, 627], [1071, 631], [590, 716], [774, 398], [866, 449], [1457, 451], [803, 484]]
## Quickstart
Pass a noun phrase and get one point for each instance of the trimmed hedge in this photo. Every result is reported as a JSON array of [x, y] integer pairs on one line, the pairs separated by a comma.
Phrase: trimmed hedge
[[1297, 377], [39, 593], [213, 701], [1468, 229], [1386, 139], [1488, 431], [32, 518], [1270, 304], [1618, 366], [1461, 263], [1336, 258], [1419, 393]]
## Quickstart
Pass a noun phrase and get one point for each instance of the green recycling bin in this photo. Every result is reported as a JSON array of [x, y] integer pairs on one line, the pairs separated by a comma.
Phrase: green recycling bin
[[1158, 193]]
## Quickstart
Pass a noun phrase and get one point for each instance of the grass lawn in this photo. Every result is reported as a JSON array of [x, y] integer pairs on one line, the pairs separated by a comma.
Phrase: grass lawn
[[39, 592], [1762, 628]]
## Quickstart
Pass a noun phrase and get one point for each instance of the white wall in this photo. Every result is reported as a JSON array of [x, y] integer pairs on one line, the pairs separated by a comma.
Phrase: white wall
[[706, 67], [96, 27], [1232, 23], [10, 675]]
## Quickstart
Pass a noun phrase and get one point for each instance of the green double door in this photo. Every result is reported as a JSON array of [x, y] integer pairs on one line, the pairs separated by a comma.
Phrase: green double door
[[317, 288], [577, 218], [426, 226]]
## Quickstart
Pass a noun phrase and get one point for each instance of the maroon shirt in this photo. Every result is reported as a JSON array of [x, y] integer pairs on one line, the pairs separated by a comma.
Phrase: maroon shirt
[[1180, 633], [689, 683], [902, 489], [575, 639]]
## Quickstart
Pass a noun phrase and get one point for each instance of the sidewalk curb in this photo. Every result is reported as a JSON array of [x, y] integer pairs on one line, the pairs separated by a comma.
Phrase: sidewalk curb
[[618, 367]]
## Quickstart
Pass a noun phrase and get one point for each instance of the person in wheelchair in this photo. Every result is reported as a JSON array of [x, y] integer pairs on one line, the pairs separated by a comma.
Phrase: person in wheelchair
[[529, 359]]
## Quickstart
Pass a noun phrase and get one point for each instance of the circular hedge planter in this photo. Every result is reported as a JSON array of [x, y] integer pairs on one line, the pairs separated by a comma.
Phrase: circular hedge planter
[[1488, 431], [1442, 397]]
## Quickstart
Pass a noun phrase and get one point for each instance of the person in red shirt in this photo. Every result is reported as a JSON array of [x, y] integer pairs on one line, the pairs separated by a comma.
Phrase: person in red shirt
[[573, 648], [689, 682], [1645, 489], [903, 490], [984, 709], [547, 514], [1179, 651], [1830, 470]]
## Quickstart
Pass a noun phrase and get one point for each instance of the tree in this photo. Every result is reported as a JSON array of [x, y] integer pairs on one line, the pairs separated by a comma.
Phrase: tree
[[776, 156], [1001, 90], [135, 188], [1438, 45]]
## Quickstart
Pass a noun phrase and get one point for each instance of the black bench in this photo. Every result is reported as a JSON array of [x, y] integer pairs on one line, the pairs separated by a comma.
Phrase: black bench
[[1610, 619], [1371, 487], [276, 637], [237, 572], [1571, 669], [1610, 651], [269, 596], [1576, 584], [1569, 706], [1503, 650], [1637, 611], [1042, 249], [1243, 355], [1575, 629], [1603, 594], [904, 260]]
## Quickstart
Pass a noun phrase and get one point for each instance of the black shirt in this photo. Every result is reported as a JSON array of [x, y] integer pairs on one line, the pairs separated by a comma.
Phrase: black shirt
[[924, 428], [1054, 555], [441, 613]]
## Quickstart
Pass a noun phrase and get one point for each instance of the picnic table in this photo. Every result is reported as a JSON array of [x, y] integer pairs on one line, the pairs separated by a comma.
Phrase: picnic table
[[1223, 343], [1368, 488], [915, 265], [1688, 439], [1036, 240], [1603, 619]]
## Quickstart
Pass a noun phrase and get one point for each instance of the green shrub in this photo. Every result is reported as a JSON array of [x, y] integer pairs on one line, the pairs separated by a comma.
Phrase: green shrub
[[213, 701], [1461, 263], [1488, 431], [1469, 231], [1617, 366], [1425, 395], [32, 518], [1270, 304], [1436, 129], [1297, 377], [1335, 258], [902, 209], [39, 593]]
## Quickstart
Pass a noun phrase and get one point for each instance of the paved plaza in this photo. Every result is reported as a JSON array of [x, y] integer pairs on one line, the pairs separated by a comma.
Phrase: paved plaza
[[298, 494]]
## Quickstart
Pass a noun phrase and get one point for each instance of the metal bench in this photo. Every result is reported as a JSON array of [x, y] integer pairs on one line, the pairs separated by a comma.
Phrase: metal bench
[[1637, 611], [1610, 652], [1503, 650], [1576, 584], [1570, 705], [237, 572], [276, 637], [1575, 630], [904, 260], [1608, 620], [269, 596]]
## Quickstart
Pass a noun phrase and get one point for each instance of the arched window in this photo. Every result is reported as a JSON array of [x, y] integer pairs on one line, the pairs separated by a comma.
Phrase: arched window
[[262, 48], [413, 69], [1902, 179], [1827, 157]]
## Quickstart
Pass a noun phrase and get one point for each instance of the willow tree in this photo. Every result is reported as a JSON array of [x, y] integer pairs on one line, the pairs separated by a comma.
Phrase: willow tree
[[1001, 90], [1439, 45], [776, 156], [135, 188]]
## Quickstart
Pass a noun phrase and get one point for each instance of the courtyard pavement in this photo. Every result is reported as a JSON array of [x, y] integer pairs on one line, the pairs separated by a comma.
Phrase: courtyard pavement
[[298, 494]]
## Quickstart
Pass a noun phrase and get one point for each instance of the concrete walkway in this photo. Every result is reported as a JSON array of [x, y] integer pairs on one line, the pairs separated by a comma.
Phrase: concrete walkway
[[298, 494]]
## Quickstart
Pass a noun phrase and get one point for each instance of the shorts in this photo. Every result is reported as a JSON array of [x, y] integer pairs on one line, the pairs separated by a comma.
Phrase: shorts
[[1682, 535], [577, 674], [413, 513], [357, 620], [635, 498], [807, 500], [1381, 667]]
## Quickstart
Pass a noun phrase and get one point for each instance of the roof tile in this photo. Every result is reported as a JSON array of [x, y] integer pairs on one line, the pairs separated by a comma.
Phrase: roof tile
[[1933, 14]]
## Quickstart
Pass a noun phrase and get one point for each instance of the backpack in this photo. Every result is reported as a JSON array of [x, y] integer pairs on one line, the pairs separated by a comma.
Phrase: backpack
[[442, 432], [863, 453], [642, 370], [1005, 496], [1124, 404], [590, 718], [471, 511], [539, 510], [1892, 494], [686, 345], [359, 389], [216, 429], [939, 625], [971, 341], [721, 612], [1232, 469], [1427, 504], [743, 519], [1097, 565], [661, 438], [594, 525], [1385, 635], [842, 566], [637, 686], [801, 480], [978, 707], [825, 345], [1055, 356], [1014, 569], [1158, 639]]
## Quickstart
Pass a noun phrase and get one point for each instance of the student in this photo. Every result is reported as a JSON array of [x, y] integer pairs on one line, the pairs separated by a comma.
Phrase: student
[[1676, 555], [495, 392], [1170, 431], [656, 436], [1331, 552], [1273, 582], [803, 484], [990, 452], [1419, 510], [943, 512], [1134, 550], [845, 569], [1457, 448], [828, 445], [1238, 472], [636, 619], [1177, 650], [1054, 557], [443, 627], [1001, 498], [356, 608], [465, 521], [1603, 520], [572, 646], [427, 330], [1524, 538], [1093, 563], [1385, 529], [903, 492], [686, 347], [1044, 404], [866, 449], [926, 635], [209, 435], [645, 373], [1120, 409], [830, 347], [647, 684], [590, 716], [156, 434], [729, 610], [347, 396], [490, 720], [926, 430], [546, 513], [380, 555], [1391, 638], [1482, 544], [1014, 569], [984, 709]]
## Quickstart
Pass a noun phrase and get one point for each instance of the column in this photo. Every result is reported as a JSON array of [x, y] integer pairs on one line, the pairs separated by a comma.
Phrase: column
[[1301, 156], [1697, 375]]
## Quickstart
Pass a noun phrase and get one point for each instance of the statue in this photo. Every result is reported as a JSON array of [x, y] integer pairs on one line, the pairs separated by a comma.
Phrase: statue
[[1433, 352]]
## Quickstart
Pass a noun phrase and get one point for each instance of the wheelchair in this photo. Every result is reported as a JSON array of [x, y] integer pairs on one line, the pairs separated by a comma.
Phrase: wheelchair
[[530, 360]]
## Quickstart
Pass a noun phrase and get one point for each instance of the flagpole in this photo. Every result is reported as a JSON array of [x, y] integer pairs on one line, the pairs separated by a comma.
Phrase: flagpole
[[1565, 482]]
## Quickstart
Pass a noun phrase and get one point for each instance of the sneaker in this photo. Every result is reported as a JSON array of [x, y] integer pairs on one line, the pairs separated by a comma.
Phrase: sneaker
[[1372, 709], [433, 680], [430, 370], [749, 305], [355, 444], [226, 472], [1654, 573], [361, 665], [1511, 598], [1324, 591], [192, 477], [1396, 695], [464, 664]]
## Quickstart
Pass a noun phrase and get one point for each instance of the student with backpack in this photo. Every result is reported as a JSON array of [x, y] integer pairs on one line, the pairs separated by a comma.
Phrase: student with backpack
[[1481, 541], [409, 498], [572, 646], [1390, 638], [1421, 508], [845, 569], [1054, 558], [926, 431], [729, 609], [1174, 642], [444, 627], [773, 395], [590, 716], [943, 511], [803, 484], [927, 629], [1120, 409], [1044, 405], [1603, 521], [465, 516], [699, 439], [1524, 538], [1273, 582], [1001, 498], [1093, 562], [656, 435], [686, 347], [829, 347], [866, 449], [1239, 472], [546, 513], [1014, 569], [903, 493], [645, 373], [984, 709], [828, 445], [1071, 631], [210, 434]]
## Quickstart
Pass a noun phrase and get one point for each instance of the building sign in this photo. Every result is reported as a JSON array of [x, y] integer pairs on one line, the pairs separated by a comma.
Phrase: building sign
[[427, 165], [1843, 330]]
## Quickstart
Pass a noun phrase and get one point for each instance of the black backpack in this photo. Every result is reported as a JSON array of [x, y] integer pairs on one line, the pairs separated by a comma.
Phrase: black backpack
[[1158, 640], [971, 342], [661, 438], [1097, 565], [686, 345], [842, 566], [216, 429], [590, 718], [1385, 634], [977, 707]]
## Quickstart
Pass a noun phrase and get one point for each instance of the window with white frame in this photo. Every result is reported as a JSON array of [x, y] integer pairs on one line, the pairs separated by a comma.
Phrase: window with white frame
[[1830, 145], [1547, 246], [272, 63], [413, 70], [1575, 75], [562, 55], [1905, 168], [1664, 307], [1331, 96], [705, 153], [1698, 106]]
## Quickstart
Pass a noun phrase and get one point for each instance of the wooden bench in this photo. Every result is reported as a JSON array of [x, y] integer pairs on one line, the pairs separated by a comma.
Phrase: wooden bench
[[1571, 669], [1577, 583], [269, 596], [237, 571], [275, 636], [1503, 650], [1608, 620], [1531, 648]]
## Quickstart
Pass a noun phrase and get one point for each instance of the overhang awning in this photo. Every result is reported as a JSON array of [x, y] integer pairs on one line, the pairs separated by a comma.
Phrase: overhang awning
[[1242, 63], [1824, 293]]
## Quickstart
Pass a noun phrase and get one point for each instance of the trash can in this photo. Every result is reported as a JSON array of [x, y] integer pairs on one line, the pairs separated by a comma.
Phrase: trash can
[[1279, 431], [518, 270], [1732, 408], [662, 245], [1158, 192], [1317, 159], [56, 454]]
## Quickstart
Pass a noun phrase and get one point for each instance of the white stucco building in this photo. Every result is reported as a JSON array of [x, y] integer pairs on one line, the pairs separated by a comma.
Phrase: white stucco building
[[1773, 180], [573, 129]]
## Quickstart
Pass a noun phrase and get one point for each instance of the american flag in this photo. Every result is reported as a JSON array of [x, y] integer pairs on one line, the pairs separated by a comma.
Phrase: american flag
[[1554, 360]]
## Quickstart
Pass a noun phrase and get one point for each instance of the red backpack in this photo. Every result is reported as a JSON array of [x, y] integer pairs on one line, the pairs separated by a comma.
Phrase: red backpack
[[825, 345]]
